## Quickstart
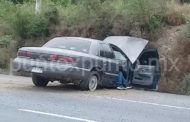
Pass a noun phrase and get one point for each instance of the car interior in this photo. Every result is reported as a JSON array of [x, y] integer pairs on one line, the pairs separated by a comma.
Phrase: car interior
[[146, 68]]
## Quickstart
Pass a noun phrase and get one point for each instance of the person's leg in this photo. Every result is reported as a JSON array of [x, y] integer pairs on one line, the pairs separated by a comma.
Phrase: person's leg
[[125, 82], [120, 79]]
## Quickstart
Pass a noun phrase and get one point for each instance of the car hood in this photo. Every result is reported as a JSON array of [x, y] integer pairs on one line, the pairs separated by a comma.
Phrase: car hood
[[131, 46]]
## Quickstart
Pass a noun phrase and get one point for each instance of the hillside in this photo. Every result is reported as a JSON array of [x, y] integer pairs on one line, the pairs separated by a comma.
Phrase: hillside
[[175, 59]]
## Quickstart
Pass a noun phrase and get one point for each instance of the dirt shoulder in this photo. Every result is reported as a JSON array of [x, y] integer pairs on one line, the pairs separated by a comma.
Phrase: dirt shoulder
[[20, 85]]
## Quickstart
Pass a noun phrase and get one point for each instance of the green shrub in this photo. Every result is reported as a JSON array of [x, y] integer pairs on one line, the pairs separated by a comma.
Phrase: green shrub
[[63, 2], [84, 17], [5, 41], [17, 1], [84, 12], [185, 1], [20, 24], [21, 20], [146, 14], [187, 33], [7, 50], [51, 14], [27, 24], [185, 85], [154, 22]]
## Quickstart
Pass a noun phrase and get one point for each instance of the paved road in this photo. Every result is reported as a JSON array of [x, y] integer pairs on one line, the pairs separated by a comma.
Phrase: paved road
[[20, 101]]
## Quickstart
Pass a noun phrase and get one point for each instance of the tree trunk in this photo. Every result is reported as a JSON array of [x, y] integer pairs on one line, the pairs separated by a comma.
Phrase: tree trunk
[[38, 6]]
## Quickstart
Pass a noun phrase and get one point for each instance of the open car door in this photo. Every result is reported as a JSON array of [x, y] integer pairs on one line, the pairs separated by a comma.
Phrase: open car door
[[147, 69]]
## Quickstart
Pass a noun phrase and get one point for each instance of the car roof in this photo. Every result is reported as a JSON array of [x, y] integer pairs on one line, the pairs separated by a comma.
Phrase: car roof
[[79, 38]]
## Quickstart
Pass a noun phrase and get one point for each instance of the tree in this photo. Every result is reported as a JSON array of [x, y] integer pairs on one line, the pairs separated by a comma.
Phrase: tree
[[38, 6]]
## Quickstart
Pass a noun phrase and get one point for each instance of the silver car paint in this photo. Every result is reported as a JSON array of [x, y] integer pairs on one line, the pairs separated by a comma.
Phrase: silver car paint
[[131, 46]]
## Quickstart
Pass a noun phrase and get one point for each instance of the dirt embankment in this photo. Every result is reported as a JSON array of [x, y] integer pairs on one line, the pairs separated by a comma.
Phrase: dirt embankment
[[174, 50]]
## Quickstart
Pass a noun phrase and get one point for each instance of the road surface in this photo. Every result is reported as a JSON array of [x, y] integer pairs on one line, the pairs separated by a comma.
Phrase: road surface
[[20, 101]]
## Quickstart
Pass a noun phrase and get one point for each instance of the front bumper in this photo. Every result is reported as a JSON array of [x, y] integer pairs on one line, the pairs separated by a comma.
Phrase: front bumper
[[51, 70]]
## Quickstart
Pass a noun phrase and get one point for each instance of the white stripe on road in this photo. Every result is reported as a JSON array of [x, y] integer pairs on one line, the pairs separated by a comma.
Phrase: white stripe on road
[[56, 115], [149, 103]]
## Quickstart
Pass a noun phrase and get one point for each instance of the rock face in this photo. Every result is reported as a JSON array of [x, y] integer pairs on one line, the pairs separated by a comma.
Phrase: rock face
[[174, 50]]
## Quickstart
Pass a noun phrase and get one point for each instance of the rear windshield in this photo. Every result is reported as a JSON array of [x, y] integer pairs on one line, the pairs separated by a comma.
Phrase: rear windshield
[[75, 44]]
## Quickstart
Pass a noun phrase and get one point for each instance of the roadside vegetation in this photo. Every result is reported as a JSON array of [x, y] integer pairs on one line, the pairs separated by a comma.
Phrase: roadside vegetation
[[185, 86], [20, 26]]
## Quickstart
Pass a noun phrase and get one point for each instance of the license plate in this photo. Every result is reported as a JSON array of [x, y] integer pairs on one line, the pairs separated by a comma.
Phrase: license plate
[[37, 70]]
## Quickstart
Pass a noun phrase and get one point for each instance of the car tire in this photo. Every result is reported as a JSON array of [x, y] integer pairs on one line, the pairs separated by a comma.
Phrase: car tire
[[90, 83], [39, 81]]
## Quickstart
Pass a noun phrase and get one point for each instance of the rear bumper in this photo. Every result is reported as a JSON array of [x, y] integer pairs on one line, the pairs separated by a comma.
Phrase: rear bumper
[[54, 71]]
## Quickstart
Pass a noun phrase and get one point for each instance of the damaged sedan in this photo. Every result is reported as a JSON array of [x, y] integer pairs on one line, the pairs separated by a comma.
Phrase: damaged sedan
[[90, 63]]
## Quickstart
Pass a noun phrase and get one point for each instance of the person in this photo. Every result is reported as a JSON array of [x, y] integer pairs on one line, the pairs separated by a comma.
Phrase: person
[[122, 82]]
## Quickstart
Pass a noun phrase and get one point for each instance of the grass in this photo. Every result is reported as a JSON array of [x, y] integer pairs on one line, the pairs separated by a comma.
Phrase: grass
[[176, 8]]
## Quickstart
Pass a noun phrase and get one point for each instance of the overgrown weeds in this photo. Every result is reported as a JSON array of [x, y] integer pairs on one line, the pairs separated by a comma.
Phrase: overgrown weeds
[[185, 85], [89, 18], [7, 50], [177, 14]]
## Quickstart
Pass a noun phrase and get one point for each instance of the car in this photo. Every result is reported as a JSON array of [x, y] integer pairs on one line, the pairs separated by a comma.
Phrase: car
[[90, 63]]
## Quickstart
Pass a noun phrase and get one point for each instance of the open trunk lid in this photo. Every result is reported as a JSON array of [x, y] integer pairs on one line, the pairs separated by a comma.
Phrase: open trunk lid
[[131, 46]]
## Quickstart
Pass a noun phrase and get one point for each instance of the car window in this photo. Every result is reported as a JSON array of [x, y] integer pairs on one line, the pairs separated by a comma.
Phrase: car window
[[119, 56], [74, 44], [102, 51], [106, 51]]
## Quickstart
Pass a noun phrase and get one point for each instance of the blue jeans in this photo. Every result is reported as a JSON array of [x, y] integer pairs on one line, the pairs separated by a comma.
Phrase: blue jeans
[[121, 81]]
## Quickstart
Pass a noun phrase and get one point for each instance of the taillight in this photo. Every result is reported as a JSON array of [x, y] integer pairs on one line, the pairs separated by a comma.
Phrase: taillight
[[53, 58], [67, 59], [24, 54], [63, 59]]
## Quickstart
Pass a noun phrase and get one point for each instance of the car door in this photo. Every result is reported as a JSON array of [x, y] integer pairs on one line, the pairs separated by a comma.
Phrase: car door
[[121, 60], [109, 65], [147, 69]]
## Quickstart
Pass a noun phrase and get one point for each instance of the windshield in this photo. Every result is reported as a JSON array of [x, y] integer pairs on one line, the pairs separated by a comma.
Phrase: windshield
[[75, 44]]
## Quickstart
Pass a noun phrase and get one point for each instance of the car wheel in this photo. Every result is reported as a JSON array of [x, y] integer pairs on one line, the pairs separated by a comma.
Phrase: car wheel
[[91, 83], [39, 81]]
